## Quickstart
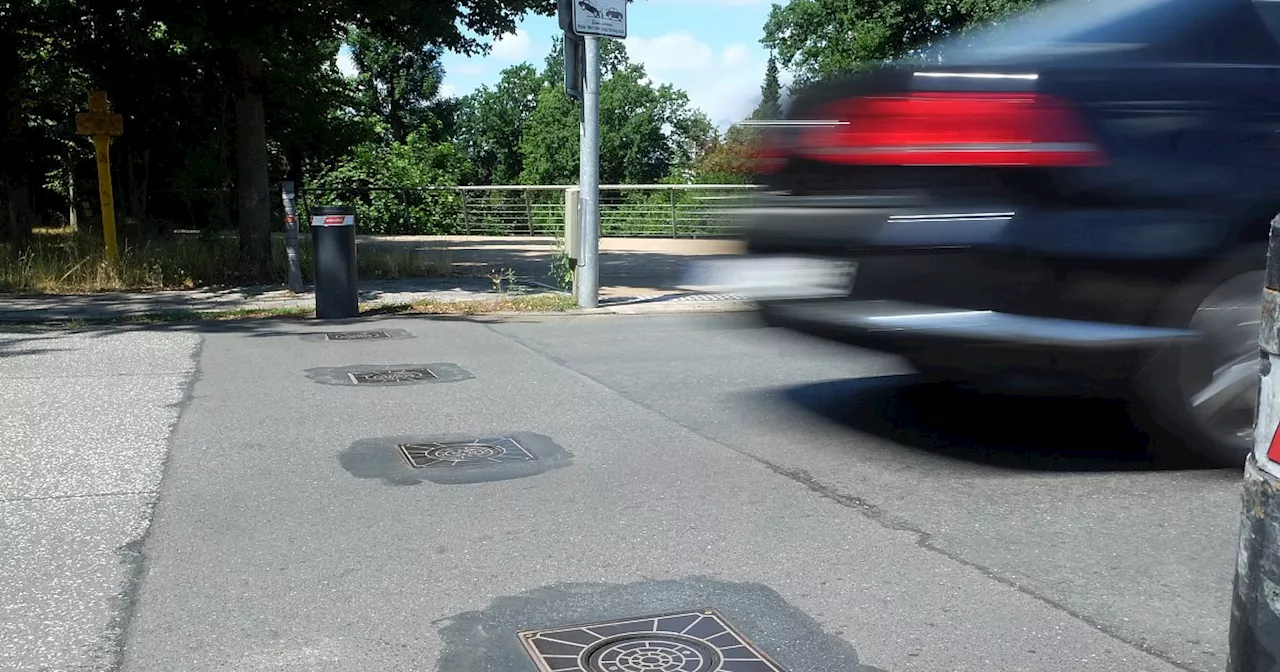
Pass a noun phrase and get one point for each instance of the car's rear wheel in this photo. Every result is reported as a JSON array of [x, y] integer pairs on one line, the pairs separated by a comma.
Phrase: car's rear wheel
[[1204, 394]]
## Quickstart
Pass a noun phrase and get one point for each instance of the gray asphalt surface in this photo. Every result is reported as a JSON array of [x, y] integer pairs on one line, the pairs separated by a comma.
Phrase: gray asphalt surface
[[839, 516], [83, 437]]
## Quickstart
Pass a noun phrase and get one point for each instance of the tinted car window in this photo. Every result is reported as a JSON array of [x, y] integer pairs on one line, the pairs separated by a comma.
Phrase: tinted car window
[[1201, 30]]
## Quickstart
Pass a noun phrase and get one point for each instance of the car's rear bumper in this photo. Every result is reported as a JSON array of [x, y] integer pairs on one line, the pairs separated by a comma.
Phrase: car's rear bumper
[[908, 327], [980, 345]]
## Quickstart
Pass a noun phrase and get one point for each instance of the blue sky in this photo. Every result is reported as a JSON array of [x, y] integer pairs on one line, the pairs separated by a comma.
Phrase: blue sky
[[709, 48]]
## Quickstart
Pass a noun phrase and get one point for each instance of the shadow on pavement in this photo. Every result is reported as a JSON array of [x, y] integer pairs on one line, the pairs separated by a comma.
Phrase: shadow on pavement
[[1026, 433]]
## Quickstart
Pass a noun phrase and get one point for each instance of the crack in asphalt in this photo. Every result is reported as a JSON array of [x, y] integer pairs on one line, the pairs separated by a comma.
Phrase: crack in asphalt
[[924, 539], [133, 553]]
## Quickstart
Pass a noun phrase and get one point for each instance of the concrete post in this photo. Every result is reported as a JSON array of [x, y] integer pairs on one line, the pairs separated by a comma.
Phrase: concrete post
[[1255, 603]]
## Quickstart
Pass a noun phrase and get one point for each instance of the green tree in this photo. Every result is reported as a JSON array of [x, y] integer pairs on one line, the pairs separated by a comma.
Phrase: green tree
[[728, 159], [770, 106], [818, 39], [648, 133], [243, 33], [492, 121], [398, 85]]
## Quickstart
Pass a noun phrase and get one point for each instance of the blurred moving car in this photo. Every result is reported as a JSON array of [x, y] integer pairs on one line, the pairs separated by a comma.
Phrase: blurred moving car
[[1079, 198]]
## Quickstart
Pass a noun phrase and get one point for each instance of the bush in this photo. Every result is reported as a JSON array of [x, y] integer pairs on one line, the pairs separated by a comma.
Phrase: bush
[[417, 205]]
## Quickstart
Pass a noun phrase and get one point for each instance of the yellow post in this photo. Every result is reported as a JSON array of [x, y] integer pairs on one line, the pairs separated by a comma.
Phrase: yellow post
[[102, 126], [102, 144]]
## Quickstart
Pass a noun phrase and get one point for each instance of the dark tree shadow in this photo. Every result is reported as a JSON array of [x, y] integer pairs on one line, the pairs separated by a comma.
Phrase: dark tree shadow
[[1004, 431]]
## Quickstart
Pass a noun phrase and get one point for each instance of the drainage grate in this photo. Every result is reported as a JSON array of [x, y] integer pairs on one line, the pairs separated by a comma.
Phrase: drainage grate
[[696, 641], [355, 335], [386, 376], [464, 453]]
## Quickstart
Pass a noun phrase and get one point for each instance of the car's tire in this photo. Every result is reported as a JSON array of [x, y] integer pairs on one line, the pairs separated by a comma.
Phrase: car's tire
[[1201, 397]]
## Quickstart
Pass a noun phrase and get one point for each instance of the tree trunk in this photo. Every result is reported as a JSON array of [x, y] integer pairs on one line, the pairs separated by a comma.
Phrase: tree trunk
[[254, 213], [18, 214]]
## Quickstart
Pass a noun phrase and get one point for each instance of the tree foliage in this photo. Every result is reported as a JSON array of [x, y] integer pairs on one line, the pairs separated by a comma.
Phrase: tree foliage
[[649, 133], [219, 96], [770, 106]]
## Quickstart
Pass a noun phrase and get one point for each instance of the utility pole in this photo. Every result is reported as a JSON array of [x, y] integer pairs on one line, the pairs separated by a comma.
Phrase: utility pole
[[1254, 639], [588, 284]]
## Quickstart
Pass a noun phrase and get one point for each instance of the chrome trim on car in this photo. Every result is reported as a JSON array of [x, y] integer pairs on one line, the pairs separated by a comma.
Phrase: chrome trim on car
[[889, 318]]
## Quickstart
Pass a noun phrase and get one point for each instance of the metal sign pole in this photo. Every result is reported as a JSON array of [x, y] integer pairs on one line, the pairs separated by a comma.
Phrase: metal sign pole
[[588, 285], [292, 245]]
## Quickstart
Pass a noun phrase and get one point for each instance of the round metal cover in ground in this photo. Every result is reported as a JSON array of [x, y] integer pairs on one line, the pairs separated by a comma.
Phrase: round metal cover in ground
[[655, 653]]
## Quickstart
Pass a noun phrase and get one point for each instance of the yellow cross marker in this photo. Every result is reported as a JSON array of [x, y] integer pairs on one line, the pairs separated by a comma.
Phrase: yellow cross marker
[[102, 126]]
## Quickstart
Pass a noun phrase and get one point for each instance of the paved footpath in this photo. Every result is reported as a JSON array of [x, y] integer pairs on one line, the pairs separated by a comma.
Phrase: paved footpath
[[329, 505], [84, 432]]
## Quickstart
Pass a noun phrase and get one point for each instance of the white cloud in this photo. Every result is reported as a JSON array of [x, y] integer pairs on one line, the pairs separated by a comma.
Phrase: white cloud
[[736, 54], [670, 53], [448, 90], [514, 47], [725, 86]]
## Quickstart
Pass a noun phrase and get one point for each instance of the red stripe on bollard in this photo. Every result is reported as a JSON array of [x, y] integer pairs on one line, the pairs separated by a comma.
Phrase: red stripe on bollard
[[1273, 451]]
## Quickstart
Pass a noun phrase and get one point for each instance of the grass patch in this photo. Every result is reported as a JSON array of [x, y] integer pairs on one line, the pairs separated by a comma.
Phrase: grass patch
[[518, 303], [515, 303], [66, 262]]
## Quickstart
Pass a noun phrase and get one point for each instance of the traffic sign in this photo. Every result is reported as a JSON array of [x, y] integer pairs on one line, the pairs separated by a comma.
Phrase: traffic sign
[[573, 65], [604, 18]]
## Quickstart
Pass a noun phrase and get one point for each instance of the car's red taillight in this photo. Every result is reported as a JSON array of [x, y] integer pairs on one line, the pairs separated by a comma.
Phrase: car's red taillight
[[951, 129], [767, 155]]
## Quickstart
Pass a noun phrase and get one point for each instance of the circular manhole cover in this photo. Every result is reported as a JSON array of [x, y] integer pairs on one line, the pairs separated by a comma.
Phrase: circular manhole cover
[[464, 453], [652, 653], [393, 376]]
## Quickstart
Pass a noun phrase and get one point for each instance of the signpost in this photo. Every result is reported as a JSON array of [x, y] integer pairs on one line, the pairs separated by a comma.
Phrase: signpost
[[101, 125], [292, 244], [584, 22]]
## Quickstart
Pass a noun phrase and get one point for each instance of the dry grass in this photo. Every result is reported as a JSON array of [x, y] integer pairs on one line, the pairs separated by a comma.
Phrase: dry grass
[[60, 261], [527, 303]]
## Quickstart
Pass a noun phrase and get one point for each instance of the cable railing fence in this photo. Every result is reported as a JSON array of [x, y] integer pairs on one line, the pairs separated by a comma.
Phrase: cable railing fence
[[657, 210]]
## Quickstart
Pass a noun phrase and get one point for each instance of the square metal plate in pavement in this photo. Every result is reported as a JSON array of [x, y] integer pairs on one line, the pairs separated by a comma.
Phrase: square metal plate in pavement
[[465, 453], [695, 641], [355, 335], [390, 376]]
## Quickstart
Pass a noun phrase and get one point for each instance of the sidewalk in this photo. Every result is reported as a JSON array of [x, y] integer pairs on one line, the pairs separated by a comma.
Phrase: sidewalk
[[636, 275], [629, 267]]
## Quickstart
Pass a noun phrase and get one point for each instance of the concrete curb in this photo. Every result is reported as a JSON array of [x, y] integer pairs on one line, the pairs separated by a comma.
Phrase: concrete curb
[[1255, 603], [32, 318]]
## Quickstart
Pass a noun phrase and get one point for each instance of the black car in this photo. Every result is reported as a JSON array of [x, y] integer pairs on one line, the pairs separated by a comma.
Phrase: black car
[[1078, 199]]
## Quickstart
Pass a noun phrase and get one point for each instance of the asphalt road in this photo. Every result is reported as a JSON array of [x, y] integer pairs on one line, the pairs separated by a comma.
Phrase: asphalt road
[[837, 515]]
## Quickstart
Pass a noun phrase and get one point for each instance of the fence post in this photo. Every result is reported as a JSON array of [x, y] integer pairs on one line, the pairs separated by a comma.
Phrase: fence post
[[528, 209], [466, 218], [1254, 638], [675, 231], [405, 198]]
